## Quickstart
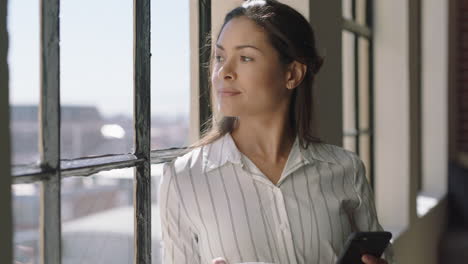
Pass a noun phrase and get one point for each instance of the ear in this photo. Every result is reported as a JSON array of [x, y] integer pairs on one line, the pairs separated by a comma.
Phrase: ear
[[295, 74]]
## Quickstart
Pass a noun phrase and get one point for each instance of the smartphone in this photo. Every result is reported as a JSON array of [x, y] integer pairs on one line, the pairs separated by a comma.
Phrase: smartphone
[[361, 243]]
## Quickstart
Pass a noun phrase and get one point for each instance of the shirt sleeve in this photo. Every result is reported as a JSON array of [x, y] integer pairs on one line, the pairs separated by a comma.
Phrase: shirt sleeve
[[179, 241], [365, 215]]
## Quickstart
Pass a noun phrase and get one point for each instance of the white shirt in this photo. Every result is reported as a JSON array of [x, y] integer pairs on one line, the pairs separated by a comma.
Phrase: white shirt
[[215, 202]]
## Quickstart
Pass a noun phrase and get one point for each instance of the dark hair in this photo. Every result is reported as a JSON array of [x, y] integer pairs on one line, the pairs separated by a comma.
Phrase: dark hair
[[293, 38]]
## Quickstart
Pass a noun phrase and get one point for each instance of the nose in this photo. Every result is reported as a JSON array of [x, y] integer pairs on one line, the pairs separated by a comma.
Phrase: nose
[[227, 72]]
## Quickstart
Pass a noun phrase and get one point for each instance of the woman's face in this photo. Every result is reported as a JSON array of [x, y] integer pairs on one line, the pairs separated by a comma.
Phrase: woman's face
[[248, 78]]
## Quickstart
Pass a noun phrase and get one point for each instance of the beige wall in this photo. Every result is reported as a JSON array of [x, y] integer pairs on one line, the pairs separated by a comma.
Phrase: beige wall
[[392, 134], [434, 96]]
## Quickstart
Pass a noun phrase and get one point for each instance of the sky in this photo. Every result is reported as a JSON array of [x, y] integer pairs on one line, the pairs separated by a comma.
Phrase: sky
[[96, 49]]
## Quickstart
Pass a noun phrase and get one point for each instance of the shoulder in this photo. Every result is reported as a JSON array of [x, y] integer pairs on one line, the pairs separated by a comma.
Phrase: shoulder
[[186, 164], [332, 154], [178, 173], [340, 160]]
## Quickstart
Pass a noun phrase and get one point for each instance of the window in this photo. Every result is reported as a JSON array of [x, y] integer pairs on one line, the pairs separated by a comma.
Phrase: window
[[113, 125], [357, 81], [96, 78]]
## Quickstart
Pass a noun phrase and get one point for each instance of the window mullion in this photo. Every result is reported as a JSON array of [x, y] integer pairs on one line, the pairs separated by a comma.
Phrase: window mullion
[[204, 57], [6, 206], [49, 139], [369, 22], [356, 91], [142, 122]]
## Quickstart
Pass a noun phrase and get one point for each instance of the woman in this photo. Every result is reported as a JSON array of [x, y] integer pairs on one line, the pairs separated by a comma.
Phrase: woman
[[259, 187]]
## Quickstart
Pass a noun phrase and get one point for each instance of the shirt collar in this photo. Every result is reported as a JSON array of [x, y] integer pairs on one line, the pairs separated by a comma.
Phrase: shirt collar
[[224, 150], [219, 152], [319, 152]]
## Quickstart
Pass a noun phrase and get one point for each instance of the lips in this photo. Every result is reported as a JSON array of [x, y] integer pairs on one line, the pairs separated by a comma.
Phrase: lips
[[228, 92]]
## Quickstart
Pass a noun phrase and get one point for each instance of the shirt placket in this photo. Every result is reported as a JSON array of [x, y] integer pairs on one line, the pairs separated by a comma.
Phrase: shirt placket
[[284, 230]]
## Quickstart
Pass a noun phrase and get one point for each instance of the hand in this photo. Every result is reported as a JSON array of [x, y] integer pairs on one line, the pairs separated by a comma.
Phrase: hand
[[369, 259]]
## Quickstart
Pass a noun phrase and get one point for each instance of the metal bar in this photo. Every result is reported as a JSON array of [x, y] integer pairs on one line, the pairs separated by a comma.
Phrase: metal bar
[[356, 28], [356, 92], [49, 141], [92, 165], [204, 10], [142, 120], [76, 167], [356, 73], [6, 220], [370, 18], [30, 175], [353, 133], [166, 155]]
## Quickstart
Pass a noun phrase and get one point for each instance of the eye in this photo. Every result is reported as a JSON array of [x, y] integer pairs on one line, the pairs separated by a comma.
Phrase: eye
[[246, 59], [218, 58]]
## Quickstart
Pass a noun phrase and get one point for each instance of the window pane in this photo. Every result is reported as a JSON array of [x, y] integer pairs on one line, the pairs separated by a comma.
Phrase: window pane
[[156, 172], [23, 60], [361, 11], [96, 77], [26, 222], [349, 94], [170, 73], [97, 218], [347, 9], [364, 153], [349, 143], [364, 99]]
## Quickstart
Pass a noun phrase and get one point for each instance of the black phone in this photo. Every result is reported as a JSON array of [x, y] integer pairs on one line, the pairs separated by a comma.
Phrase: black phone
[[361, 243]]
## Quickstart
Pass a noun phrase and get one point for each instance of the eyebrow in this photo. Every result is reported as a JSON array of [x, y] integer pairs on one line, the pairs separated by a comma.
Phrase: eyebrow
[[240, 47]]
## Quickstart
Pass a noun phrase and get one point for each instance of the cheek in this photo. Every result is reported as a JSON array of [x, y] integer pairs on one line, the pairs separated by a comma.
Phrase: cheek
[[264, 81]]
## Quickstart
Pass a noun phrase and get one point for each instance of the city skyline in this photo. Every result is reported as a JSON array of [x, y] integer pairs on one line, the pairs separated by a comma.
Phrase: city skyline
[[97, 55]]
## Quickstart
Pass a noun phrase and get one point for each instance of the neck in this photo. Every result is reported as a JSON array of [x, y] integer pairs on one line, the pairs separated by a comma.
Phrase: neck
[[268, 139]]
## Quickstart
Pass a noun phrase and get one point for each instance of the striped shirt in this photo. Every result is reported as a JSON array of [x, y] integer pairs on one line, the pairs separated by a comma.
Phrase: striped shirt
[[215, 202]]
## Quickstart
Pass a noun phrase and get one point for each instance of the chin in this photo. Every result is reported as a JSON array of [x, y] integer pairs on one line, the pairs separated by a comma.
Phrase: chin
[[229, 112]]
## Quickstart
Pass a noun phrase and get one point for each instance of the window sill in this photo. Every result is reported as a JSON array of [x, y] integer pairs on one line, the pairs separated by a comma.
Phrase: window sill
[[425, 203]]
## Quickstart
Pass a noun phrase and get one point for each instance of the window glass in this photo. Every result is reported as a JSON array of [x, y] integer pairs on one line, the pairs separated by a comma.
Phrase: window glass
[[96, 77], [23, 60], [97, 218]]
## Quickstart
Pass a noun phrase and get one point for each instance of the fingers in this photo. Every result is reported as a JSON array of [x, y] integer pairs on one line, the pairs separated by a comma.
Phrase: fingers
[[369, 259], [218, 261]]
